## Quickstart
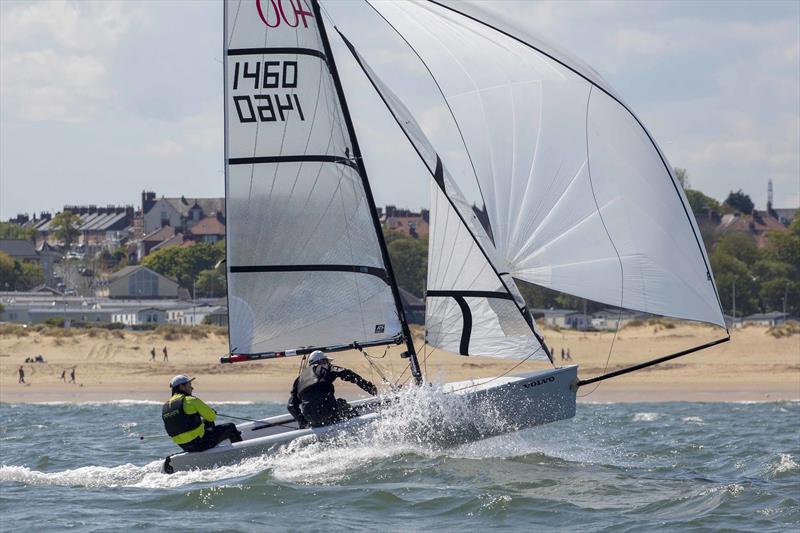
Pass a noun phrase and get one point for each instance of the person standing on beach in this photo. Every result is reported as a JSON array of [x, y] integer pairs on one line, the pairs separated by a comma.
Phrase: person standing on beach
[[72, 375], [153, 353], [569, 356], [563, 357], [21, 375], [166, 358], [64, 375], [190, 422]]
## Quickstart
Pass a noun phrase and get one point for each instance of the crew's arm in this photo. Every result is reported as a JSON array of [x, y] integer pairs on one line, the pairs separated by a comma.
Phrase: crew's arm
[[293, 406], [352, 377], [193, 405]]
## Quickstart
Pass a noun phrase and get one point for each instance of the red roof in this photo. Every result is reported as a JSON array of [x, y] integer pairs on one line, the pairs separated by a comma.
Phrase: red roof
[[208, 226]]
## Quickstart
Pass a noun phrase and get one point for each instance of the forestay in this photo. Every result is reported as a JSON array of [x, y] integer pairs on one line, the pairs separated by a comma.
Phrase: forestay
[[579, 197], [471, 307], [305, 267]]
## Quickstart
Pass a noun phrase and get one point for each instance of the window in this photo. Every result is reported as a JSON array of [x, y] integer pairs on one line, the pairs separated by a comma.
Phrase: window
[[143, 284]]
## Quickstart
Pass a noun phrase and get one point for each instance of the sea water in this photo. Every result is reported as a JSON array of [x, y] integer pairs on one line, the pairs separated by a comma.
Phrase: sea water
[[614, 467]]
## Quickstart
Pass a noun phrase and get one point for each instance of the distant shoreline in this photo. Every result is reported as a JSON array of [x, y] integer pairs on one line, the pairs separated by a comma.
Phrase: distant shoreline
[[754, 367]]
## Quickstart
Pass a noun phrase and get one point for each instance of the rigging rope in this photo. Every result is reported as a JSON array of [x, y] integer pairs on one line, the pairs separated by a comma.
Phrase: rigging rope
[[608, 358]]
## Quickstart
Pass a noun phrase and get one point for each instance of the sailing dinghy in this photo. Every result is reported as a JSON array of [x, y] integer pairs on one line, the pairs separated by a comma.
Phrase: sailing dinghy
[[577, 195]]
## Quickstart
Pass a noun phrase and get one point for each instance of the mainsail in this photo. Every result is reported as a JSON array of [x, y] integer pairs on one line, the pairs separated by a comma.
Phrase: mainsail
[[306, 264], [579, 197], [471, 307]]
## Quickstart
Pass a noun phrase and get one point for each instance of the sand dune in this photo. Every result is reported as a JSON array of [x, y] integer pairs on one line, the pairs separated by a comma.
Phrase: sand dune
[[754, 366]]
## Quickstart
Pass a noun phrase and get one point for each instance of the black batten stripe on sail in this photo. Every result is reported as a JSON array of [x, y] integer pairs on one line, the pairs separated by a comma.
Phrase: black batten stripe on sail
[[276, 50], [438, 174], [292, 159], [470, 294], [358, 269], [411, 351], [466, 330]]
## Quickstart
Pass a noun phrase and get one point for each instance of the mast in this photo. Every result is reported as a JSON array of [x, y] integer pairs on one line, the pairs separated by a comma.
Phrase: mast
[[410, 350]]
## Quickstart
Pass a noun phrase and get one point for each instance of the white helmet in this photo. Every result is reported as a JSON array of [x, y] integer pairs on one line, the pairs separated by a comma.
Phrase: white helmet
[[316, 357], [179, 380]]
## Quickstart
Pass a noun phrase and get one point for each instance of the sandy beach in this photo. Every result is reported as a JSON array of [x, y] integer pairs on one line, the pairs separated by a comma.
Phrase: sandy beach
[[756, 365]]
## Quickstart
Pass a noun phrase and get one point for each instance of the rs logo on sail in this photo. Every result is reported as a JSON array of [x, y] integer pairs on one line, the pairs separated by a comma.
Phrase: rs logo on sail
[[278, 14], [538, 382]]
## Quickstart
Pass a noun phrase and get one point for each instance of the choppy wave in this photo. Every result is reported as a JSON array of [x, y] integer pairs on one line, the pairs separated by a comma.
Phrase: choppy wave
[[646, 417], [612, 467], [784, 465]]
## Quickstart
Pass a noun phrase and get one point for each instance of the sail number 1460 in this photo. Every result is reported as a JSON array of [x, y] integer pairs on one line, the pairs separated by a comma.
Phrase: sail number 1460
[[266, 107]]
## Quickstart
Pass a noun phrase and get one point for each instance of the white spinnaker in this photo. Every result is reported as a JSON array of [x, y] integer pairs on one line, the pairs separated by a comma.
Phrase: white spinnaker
[[579, 197], [470, 308], [304, 264]]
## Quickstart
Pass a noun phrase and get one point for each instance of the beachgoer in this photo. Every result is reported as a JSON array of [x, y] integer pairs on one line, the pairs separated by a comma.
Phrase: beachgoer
[[569, 356], [563, 355], [153, 353], [64, 375], [165, 354], [190, 422], [72, 375], [21, 375], [312, 399]]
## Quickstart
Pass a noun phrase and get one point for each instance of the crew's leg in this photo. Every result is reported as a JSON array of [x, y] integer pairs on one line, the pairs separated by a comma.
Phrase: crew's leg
[[344, 410], [221, 432]]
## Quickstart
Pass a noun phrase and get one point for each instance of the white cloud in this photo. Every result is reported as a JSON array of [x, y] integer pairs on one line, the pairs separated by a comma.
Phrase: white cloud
[[72, 25], [46, 85], [647, 43], [165, 148], [55, 57], [729, 150]]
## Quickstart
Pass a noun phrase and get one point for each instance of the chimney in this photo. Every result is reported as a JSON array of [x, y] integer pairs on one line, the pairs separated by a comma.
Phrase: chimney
[[148, 200]]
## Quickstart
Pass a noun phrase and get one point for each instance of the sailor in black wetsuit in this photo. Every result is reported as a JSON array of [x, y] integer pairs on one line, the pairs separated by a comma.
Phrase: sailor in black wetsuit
[[312, 401]]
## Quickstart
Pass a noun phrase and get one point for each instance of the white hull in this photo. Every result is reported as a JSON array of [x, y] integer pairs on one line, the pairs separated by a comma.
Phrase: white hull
[[521, 401]]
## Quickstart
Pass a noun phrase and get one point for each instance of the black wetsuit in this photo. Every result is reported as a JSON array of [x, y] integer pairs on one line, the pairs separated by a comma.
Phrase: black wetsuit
[[312, 399]]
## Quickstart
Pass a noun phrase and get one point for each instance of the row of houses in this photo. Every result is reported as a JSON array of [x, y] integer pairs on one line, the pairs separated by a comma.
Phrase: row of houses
[[39, 307], [611, 318]]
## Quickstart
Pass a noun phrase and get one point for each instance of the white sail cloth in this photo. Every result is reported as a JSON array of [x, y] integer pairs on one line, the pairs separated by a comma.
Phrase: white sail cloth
[[304, 264], [471, 307], [579, 197]]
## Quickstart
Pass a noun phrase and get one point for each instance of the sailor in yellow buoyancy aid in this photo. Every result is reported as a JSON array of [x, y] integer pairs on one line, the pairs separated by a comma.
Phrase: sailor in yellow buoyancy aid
[[190, 422]]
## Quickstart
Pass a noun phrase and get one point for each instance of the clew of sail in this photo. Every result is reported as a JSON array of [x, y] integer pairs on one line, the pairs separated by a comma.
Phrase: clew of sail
[[579, 197], [305, 266], [472, 308]]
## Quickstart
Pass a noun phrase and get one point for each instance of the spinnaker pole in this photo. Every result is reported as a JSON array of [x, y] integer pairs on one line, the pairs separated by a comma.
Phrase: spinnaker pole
[[411, 352], [652, 362]]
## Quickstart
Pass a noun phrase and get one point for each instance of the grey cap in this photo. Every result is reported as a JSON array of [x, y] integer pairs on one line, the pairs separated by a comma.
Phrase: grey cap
[[180, 379]]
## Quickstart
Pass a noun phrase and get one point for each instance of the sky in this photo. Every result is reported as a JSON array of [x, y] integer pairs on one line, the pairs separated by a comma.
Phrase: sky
[[101, 100]]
